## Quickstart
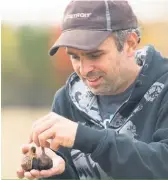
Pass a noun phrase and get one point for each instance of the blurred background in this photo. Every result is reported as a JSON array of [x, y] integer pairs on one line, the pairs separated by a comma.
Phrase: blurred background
[[30, 77]]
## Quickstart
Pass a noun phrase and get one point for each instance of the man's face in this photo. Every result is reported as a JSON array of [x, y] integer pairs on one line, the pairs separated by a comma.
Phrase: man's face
[[103, 70]]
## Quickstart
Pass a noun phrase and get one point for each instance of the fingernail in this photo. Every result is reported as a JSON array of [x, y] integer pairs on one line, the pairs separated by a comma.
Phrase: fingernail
[[23, 145], [18, 170]]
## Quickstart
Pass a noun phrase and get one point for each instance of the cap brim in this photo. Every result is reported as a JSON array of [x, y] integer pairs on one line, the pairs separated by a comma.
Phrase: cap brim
[[80, 39]]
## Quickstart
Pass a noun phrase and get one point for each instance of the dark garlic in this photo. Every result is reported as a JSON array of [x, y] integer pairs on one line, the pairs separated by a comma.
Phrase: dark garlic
[[31, 161]]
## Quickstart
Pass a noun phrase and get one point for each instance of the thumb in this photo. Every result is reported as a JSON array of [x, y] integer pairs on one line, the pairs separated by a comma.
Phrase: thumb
[[25, 148]]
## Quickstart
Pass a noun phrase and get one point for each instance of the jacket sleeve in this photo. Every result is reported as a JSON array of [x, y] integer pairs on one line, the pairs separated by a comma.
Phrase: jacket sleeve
[[121, 157], [58, 107]]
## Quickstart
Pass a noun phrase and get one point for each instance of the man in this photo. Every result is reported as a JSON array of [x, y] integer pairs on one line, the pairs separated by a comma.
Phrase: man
[[110, 120]]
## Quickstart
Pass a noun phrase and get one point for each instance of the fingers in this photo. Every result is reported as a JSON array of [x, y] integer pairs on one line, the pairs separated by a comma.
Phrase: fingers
[[32, 174], [46, 173], [41, 125], [28, 175], [58, 164], [55, 144], [25, 148], [35, 124], [35, 173], [47, 134], [20, 173], [40, 129], [58, 168], [45, 129], [53, 171]]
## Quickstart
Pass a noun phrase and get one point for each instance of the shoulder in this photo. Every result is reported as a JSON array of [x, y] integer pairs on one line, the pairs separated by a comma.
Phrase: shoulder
[[62, 103], [60, 95], [60, 99]]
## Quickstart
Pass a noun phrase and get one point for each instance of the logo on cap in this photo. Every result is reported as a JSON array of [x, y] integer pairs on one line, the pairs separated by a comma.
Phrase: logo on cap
[[77, 15]]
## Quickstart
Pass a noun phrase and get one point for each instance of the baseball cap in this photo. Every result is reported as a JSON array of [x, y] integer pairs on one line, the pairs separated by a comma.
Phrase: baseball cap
[[86, 24]]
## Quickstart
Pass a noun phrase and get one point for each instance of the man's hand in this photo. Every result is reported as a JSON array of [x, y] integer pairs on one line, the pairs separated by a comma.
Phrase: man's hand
[[58, 165], [53, 131]]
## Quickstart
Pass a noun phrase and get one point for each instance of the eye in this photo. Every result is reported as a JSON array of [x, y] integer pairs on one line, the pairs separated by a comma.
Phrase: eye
[[74, 57], [94, 56]]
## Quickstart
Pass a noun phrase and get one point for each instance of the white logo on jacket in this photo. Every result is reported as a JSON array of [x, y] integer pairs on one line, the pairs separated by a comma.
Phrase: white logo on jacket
[[154, 91]]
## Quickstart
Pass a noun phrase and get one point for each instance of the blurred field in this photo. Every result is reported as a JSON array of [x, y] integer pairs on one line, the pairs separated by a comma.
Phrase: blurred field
[[16, 124]]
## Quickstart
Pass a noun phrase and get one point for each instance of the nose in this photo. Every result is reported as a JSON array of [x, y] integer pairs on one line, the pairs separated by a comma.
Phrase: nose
[[85, 67]]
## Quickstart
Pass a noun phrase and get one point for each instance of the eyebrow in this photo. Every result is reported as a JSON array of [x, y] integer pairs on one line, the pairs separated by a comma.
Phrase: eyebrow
[[87, 53]]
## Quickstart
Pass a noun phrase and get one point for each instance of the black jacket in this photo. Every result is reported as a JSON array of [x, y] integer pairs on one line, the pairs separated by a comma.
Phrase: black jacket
[[135, 144]]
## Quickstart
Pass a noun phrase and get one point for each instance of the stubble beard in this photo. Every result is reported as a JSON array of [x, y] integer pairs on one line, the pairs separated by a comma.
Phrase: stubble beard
[[103, 89]]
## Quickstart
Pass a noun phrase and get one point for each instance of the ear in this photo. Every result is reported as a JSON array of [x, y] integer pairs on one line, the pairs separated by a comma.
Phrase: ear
[[131, 44]]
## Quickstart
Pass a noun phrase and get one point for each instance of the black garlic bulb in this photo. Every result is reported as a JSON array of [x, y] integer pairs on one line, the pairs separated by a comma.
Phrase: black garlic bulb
[[31, 161]]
